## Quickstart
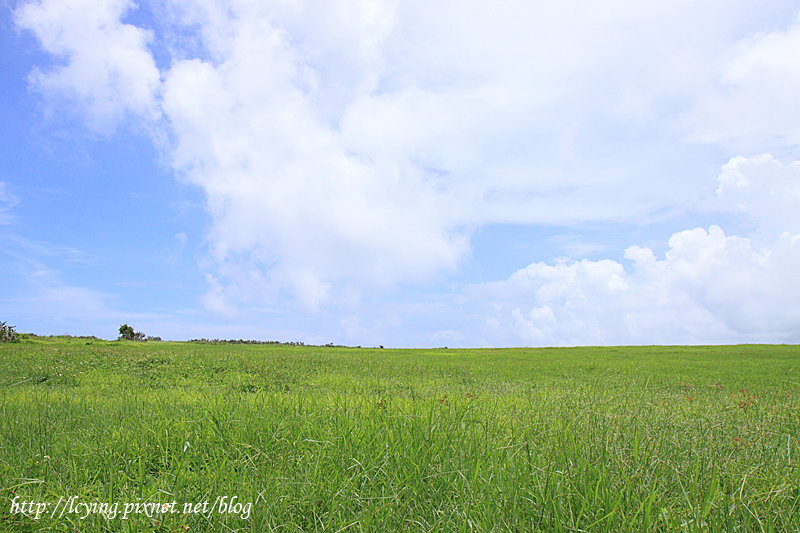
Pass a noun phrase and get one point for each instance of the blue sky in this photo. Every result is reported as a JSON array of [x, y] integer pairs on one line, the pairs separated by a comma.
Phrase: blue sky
[[409, 173]]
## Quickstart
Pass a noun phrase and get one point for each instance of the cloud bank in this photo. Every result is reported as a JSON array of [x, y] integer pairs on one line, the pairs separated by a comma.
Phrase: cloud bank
[[346, 147]]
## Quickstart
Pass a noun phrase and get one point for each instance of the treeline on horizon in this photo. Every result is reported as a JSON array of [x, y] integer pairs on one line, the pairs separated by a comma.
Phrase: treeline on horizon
[[243, 341], [9, 334]]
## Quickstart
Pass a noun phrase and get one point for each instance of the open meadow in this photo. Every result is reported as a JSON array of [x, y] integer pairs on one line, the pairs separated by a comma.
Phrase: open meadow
[[138, 436]]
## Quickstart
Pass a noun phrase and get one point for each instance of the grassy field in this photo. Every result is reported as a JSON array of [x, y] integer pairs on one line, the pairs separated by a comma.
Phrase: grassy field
[[352, 439]]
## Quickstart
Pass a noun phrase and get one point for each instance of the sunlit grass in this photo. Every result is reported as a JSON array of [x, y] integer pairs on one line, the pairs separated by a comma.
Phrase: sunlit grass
[[338, 439]]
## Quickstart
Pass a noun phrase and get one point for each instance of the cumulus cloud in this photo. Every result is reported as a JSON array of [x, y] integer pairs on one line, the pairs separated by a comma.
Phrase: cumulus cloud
[[106, 65], [709, 288], [285, 194]]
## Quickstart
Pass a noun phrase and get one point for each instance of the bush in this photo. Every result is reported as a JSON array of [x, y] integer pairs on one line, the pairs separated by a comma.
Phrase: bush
[[7, 333]]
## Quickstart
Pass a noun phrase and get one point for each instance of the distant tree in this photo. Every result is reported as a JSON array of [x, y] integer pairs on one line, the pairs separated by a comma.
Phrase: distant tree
[[7, 333], [126, 332]]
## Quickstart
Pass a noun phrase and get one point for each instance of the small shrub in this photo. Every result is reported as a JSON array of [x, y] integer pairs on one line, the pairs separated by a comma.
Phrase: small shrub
[[8, 333]]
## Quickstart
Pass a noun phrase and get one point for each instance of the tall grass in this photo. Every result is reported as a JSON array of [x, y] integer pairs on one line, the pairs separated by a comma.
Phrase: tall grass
[[336, 439]]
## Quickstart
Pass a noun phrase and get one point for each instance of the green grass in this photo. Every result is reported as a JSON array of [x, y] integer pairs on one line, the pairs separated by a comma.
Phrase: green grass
[[344, 439]]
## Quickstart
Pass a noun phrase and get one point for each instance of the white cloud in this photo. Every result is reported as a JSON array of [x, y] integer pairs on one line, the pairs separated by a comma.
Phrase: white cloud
[[754, 104], [286, 194], [106, 68], [709, 288], [766, 191], [359, 142]]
